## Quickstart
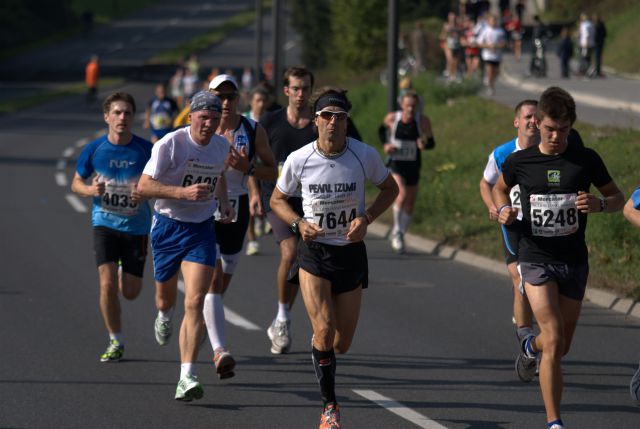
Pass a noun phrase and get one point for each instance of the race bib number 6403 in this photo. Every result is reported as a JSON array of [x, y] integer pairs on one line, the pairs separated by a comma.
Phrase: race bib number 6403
[[553, 215]]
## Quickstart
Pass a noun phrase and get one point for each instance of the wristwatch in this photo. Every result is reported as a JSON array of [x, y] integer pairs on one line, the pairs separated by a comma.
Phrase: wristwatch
[[294, 225]]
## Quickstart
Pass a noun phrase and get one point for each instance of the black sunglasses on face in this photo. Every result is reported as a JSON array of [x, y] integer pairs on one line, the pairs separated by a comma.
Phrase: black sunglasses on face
[[327, 115]]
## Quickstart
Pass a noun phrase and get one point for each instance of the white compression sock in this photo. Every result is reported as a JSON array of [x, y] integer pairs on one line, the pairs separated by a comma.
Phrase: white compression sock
[[397, 213], [116, 336], [186, 369], [405, 219], [283, 312], [213, 312], [166, 316]]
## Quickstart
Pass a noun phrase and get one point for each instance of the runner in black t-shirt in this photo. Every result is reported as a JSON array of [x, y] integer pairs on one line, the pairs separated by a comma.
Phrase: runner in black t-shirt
[[555, 180]]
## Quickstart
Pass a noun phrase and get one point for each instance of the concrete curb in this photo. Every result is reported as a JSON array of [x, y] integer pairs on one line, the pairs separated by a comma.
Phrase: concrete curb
[[599, 297]]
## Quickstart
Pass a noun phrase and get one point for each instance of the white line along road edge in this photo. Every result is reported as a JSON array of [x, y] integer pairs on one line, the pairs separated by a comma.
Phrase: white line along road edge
[[399, 409], [231, 316]]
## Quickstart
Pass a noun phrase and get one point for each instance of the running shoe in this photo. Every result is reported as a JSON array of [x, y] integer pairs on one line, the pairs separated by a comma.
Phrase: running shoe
[[162, 330], [397, 243], [253, 248], [330, 417], [189, 388], [113, 353], [634, 386], [225, 363], [279, 335], [525, 367]]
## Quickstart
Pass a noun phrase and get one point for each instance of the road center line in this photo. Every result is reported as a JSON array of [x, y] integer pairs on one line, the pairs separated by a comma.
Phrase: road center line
[[61, 178], [231, 316], [68, 152], [399, 409], [76, 203]]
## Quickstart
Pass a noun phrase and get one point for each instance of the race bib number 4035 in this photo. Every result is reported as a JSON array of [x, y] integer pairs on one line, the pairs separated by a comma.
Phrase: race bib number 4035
[[553, 215], [117, 199]]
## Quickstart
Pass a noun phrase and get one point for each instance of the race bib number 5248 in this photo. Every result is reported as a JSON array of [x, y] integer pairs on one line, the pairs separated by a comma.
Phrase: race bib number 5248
[[553, 215]]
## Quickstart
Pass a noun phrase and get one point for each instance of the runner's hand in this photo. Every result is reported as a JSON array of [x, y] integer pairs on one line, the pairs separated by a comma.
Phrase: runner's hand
[[197, 192], [238, 159], [98, 186], [255, 206], [508, 215], [388, 148], [309, 231], [587, 203], [493, 213], [357, 229], [227, 213]]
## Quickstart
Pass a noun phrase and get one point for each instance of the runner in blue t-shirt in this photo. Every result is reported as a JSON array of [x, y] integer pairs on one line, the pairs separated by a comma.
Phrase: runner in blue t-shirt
[[160, 113], [121, 218]]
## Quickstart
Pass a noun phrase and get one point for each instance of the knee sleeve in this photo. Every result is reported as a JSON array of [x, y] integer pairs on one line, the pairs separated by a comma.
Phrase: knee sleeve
[[230, 262]]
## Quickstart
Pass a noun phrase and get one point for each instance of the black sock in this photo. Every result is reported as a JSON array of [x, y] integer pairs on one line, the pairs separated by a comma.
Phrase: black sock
[[324, 364]]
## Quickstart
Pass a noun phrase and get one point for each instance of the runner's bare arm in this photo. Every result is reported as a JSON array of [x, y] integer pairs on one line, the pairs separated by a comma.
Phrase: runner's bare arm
[[148, 187], [631, 213], [487, 199], [500, 193], [268, 170], [80, 187]]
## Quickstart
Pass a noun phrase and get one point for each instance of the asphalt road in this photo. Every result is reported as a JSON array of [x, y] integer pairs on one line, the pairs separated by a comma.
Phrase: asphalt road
[[435, 346]]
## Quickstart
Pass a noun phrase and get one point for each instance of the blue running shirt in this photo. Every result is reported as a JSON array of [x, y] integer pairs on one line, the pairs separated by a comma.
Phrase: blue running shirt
[[120, 168]]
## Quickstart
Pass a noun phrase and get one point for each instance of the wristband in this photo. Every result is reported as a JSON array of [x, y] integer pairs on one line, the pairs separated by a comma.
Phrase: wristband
[[603, 204], [503, 207]]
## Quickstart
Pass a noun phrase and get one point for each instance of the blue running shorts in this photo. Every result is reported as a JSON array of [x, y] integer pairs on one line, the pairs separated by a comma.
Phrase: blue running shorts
[[173, 241]]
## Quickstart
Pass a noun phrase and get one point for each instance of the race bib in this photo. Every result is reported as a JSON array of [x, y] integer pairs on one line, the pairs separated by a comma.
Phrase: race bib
[[334, 214], [406, 150], [117, 199], [233, 202], [516, 201], [161, 121], [202, 173], [553, 215]]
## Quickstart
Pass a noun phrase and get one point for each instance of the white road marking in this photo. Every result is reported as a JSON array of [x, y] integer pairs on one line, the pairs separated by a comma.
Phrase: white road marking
[[399, 409], [82, 142], [61, 179], [61, 164], [231, 316], [289, 45], [137, 38], [68, 152], [76, 203]]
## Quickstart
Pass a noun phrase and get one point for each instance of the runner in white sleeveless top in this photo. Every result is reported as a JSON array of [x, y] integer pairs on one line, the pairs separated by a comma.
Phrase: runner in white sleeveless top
[[247, 142], [186, 176], [331, 173]]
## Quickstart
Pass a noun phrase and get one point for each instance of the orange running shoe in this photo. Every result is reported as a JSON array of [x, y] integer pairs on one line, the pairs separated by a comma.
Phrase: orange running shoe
[[225, 363], [330, 417]]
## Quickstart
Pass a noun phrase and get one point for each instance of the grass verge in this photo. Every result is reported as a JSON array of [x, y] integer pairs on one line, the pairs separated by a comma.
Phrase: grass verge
[[467, 128]]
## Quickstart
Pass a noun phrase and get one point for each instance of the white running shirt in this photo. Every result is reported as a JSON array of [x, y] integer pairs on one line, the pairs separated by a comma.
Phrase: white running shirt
[[177, 160], [332, 187]]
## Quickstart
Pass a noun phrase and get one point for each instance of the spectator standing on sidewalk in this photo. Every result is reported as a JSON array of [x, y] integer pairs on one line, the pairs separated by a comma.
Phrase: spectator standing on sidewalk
[[599, 36], [565, 51], [586, 42]]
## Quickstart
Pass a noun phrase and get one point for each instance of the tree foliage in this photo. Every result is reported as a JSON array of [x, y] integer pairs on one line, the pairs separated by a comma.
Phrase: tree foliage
[[311, 20]]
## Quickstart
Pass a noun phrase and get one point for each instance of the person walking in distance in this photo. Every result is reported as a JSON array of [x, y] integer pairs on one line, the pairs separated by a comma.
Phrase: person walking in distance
[[408, 133], [331, 173], [184, 174], [120, 217], [555, 179], [91, 77]]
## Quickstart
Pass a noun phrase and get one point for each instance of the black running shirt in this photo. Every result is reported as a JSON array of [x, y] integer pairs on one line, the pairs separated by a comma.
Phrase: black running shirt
[[553, 228]]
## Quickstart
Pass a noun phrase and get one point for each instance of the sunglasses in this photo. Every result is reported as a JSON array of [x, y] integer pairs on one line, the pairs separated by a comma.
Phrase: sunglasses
[[227, 97], [327, 115]]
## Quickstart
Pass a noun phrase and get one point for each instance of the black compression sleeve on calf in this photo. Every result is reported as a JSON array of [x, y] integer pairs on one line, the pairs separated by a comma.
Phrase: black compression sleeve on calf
[[324, 363]]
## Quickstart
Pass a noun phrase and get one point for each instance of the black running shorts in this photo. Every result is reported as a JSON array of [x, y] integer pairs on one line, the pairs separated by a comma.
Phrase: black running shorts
[[230, 236], [346, 267], [110, 245], [571, 279]]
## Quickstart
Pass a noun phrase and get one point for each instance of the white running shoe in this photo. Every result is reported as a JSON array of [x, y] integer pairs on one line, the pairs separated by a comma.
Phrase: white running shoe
[[189, 388], [397, 243], [253, 248], [162, 330], [278, 333]]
